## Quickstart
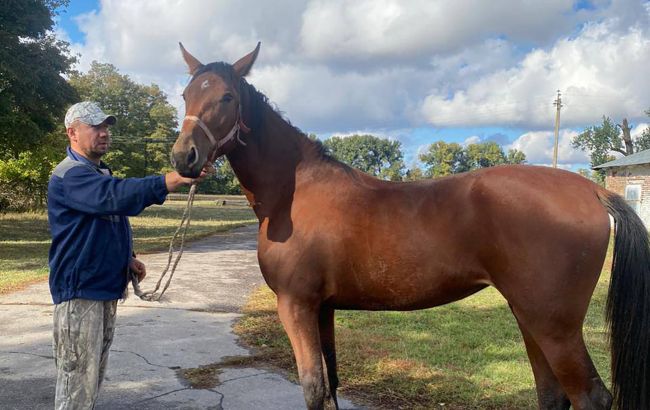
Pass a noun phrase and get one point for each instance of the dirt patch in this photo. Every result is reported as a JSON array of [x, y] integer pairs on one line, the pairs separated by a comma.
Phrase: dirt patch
[[202, 377], [207, 376]]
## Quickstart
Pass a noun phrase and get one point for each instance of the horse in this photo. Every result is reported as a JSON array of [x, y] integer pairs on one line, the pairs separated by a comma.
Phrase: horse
[[331, 237]]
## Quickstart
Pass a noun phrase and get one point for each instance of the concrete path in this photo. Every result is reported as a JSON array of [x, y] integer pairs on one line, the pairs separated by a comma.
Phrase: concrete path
[[154, 341]]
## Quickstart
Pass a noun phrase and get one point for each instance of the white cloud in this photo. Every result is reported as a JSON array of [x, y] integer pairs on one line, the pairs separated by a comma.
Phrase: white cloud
[[370, 29], [474, 139], [638, 129], [599, 73], [337, 66], [539, 145]]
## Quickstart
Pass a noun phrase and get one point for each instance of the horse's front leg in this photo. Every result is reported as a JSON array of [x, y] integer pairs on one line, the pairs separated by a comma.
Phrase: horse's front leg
[[300, 321]]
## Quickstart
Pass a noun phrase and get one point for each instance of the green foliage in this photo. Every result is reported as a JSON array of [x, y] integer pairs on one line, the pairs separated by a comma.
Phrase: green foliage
[[515, 157], [23, 178], [599, 141], [442, 158], [33, 93], [414, 173], [146, 122], [224, 182], [643, 142], [376, 156], [484, 155]]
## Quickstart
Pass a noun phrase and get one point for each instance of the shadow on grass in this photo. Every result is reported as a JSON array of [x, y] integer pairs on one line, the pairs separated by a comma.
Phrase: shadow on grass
[[24, 229]]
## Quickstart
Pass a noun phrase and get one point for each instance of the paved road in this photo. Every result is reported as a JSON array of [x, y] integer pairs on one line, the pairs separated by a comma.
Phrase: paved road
[[191, 327]]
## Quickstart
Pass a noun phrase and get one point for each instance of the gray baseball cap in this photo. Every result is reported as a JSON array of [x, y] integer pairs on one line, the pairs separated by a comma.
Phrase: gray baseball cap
[[89, 113]]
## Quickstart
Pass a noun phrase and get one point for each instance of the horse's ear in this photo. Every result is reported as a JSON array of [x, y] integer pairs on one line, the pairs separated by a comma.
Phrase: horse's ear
[[192, 63], [244, 64]]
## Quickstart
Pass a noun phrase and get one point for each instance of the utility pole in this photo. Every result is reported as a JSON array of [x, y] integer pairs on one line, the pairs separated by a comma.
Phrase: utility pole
[[558, 104]]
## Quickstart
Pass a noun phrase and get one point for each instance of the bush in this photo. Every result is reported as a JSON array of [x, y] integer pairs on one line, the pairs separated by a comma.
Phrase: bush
[[23, 180]]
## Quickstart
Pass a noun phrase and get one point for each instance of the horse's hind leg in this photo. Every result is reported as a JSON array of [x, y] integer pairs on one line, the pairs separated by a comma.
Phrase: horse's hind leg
[[564, 349], [326, 326], [300, 321], [550, 395]]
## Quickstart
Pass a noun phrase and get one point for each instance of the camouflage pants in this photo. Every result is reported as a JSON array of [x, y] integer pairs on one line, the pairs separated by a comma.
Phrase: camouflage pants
[[83, 333]]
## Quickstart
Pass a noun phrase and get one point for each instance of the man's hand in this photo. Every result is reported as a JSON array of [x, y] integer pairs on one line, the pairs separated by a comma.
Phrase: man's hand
[[174, 180], [138, 268]]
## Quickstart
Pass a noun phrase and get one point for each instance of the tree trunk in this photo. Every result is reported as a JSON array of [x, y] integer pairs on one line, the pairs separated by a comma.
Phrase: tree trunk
[[627, 139]]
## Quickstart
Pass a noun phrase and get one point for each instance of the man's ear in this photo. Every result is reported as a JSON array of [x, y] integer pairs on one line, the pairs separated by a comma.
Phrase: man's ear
[[72, 134]]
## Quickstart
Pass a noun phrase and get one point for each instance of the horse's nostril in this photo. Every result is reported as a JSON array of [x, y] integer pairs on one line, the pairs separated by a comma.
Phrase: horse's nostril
[[191, 157]]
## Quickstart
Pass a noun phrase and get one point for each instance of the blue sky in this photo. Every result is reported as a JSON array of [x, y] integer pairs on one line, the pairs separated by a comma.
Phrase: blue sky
[[417, 71]]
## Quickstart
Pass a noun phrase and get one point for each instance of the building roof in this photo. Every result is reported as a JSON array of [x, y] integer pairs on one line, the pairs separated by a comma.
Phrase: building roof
[[641, 157]]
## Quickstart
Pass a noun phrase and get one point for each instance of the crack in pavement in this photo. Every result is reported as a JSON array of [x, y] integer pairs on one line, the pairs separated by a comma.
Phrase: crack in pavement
[[180, 390], [244, 377], [143, 358], [161, 395], [223, 396], [29, 354]]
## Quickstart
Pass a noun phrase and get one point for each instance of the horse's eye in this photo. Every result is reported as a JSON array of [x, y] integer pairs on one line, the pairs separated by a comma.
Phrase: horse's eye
[[226, 98]]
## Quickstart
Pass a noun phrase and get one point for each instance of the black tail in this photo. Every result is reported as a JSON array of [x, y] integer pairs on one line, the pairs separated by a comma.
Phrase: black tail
[[628, 307]]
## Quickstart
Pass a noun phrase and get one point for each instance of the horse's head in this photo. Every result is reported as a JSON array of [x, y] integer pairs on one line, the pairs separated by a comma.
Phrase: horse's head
[[212, 112]]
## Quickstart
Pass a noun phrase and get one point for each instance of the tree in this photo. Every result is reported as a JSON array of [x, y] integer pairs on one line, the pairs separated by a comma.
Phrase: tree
[[146, 122], [643, 142], [33, 93], [515, 157], [224, 182], [484, 155], [376, 156], [599, 141], [414, 173], [443, 158], [23, 179]]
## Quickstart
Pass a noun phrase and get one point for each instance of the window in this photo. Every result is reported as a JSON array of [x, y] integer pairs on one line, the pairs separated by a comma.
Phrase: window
[[633, 197]]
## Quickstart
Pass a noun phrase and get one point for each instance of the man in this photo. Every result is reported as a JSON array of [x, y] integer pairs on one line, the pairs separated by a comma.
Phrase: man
[[91, 251]]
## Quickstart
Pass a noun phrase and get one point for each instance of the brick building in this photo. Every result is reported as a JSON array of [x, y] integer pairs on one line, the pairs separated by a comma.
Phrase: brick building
[[630, 177]]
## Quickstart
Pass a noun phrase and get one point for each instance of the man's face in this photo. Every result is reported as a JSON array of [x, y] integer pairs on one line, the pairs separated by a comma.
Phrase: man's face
[[92, 141]]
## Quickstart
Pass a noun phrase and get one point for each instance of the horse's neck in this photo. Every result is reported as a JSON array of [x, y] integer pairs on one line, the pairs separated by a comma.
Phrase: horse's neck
[[266, 166]]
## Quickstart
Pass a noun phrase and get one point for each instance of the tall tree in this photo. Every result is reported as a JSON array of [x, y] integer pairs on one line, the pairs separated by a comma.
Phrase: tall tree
[[600, 141], [442, 158], [33, 92], [376, 156], [146, 122]]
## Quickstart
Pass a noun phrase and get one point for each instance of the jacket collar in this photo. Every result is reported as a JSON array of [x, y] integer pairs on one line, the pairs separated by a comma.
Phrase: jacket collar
[[78, 157]]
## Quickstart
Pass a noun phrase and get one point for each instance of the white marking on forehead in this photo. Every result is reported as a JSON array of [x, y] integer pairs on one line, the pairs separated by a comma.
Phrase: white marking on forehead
[[205, 84]]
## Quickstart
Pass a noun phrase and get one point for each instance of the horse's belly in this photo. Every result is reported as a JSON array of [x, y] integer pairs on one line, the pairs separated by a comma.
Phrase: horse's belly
[[374, 291]]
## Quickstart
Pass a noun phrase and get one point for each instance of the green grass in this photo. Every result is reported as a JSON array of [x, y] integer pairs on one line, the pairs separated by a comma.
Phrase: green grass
[[25, 238], [467, 355]]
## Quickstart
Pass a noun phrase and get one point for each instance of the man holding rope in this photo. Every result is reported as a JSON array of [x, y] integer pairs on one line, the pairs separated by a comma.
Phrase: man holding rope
[[92, 250]]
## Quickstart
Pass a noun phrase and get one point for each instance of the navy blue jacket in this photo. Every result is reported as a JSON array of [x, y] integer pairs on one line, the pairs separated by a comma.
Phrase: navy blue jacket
[[87, 209]]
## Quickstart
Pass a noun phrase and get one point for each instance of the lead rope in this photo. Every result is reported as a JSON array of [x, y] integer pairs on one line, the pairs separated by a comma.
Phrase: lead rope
[[151, 295]]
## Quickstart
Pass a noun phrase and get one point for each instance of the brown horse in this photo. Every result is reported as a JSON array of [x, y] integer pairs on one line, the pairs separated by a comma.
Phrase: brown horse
[[331, 237]]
